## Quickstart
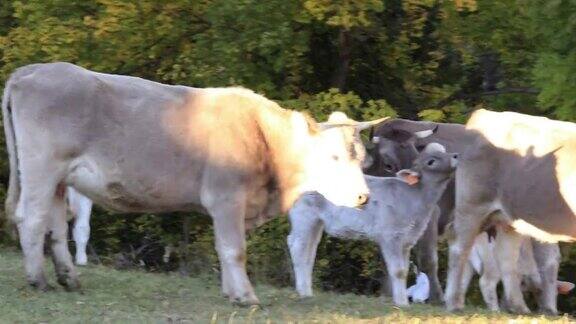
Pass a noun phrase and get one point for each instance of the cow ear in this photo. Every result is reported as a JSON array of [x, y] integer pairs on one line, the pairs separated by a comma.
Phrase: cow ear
[[564, 287], [409, 176]]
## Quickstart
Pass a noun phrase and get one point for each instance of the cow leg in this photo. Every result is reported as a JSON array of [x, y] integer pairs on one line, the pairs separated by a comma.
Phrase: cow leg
[[397, 265], [507, 251], [427, 257], [547, 258], [33, 217], [464, 231], [32, 230], [386, 284], [65, 271], [305, 234], [81, 231], [230, 236]]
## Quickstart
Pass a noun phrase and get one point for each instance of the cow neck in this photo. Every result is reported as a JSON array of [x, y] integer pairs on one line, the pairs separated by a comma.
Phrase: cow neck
[[285, 139], [432, 189]]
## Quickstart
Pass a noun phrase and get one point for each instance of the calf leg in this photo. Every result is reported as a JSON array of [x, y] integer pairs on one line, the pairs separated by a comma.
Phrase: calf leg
[[305, 234], [547, 258], [81, 232], [507, 251], [427, 258], [397, 265], [65, 271], [229, 227], [489, 274]]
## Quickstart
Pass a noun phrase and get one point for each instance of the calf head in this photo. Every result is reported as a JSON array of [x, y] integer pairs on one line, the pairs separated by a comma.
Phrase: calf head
[[393, 150], [433, 164], [333, 166]]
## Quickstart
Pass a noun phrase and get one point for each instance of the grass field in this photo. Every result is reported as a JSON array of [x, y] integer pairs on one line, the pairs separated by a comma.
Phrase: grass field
[[111, 296]]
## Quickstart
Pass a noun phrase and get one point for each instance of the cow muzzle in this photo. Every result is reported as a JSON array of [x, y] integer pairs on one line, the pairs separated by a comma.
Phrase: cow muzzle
[[454, 160]]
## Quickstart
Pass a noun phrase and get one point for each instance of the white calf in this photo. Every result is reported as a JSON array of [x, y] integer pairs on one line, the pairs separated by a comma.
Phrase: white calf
[[79, 208], [536, 268], [420, 291], [395, 217]]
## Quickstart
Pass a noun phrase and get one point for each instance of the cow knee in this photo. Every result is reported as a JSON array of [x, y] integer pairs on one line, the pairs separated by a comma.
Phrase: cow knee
[[401, 273], [233, 256]]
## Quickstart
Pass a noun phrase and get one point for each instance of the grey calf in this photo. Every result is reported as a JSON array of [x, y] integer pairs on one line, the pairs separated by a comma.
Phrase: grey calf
[[395, 218]]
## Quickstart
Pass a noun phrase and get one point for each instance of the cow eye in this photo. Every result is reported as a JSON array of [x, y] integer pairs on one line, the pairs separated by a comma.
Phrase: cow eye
[[420, 147], [335, 157], [388, 167], [431, 162]]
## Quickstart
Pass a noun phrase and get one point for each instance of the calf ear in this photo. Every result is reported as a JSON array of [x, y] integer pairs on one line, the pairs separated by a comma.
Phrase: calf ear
[[409, 176], [564, 287]]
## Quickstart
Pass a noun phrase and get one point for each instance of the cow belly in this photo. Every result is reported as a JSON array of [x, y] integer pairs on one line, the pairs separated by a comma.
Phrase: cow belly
[[118, 190], [532, 196]]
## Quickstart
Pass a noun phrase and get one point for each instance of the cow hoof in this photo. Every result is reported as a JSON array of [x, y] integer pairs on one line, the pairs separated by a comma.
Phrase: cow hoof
[[519, 310], [41, 286], [305, 297], [81, 262], [401, 305], [436, 301], [245, 301], [454, 308], [69, 284], [548, 312]]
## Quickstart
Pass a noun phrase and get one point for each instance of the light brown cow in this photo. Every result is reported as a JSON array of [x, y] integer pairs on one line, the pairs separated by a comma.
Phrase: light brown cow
[[134, 145], [520, 171]]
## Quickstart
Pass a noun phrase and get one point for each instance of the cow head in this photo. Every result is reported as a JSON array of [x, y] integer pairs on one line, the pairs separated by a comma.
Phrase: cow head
[[433, 163], [334, 161], [393, 150]]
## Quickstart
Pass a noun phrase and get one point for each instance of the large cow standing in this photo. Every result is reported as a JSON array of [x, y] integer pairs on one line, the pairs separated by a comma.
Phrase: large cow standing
[[133, 145], [519, 170]]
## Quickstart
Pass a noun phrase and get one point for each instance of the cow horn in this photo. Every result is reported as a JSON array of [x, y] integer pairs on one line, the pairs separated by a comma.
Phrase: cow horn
[[327, 125], [367, 124], [358, 125], [424, 133]]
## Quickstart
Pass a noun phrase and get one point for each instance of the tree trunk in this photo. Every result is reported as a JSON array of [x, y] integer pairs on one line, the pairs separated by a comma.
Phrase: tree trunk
[[343, 65]]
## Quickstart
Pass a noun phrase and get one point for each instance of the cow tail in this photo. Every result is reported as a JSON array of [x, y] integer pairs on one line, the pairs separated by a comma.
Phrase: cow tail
[[13, 194]]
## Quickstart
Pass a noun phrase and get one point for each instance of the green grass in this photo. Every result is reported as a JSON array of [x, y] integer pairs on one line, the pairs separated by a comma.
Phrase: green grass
[[138, 297]]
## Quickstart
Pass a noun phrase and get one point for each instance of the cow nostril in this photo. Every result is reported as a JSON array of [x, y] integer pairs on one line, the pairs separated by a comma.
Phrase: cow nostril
[[362, 199], [455, 156]]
